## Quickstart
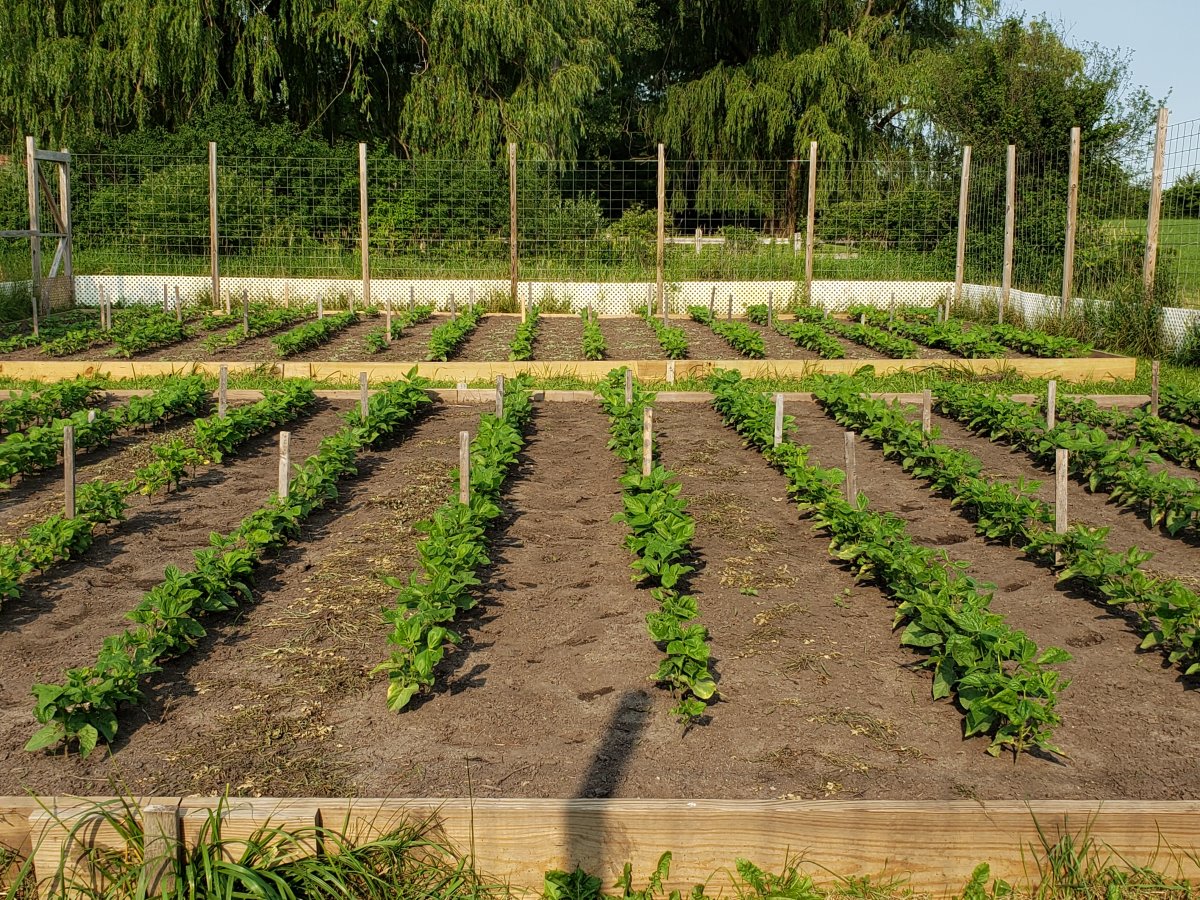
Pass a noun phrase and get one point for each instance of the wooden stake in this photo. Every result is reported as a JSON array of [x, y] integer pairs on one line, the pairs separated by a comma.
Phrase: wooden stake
[[388, 317], [364, 397], [161, 835], [851, 475], [69, 471], [364, 235], [91, 416], [778, 438], [166, 301], [1051, 404], [729, 314], [470, 295], [1155, 210], [770, 309], [214, 265], [1155, 367], [35, 227], [320, 306], [712, 301], [1010, 222], [661, 233], [1068, 284], [809, 234], [285, 463], [670, 371], [178, 306], [223, 390], [453, 305], [862, 318], [412, 298], [628, 386], [464, 467], [926, 411], [699, 238], [105, 324], [647, 440], [960, 256], [245, 311], [287, 295], [512, 225], [528, 301], [1061, 473], [499, 396]]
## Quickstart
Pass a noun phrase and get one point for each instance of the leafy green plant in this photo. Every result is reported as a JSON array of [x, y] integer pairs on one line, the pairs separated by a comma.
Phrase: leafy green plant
[[812, 336], [874, 338], [312, 334], [758, 313], [521, 347], [447, 337], [56, 401], [594, 345], [265, 318], [1037, 343], [672, 340]]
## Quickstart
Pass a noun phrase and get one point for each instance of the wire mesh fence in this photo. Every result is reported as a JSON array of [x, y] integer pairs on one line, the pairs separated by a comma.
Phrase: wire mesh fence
[[891, 220]]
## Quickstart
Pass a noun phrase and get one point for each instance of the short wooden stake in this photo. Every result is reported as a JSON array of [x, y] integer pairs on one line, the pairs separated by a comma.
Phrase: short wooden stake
[[105, 323], [778, 439], [470, 295], [387, 333], [178, 306], [670, 371], [285, 462], [245, 311], [712, 301], [1051, 404], [628, 386], [453, 305], [91, 416], [499, 396], [69, 471], [647, 440], [699, 238], [320, 307], [1061, 473], [926, 411], [412, 298], [770, 309], [166, 301], [730, 312], [1155, 366], [223, 390], [528, 301], [161, 854], [287, 295], [363, 395], [851, 475], [464, 467]]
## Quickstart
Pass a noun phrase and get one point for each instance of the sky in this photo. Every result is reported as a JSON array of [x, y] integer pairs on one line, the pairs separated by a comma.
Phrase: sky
[[1161, 35]]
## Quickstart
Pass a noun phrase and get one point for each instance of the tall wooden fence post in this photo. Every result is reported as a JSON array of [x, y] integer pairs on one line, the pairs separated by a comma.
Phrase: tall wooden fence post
[[1051, 404], [960, 249], [1010, 221], [1068, 287], [35, 229], [69, 471], [1155, 210], [512, 226], [647, 440], [464, 467], [285, 463], [214, 263], [222, 390], [661, 232], [851, 473], [810, 228], [364, 231]]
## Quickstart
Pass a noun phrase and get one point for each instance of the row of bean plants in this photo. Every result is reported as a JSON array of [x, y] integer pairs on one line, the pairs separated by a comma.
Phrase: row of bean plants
[[451, 554], [264, 319], [26, 408], [1005, 685], [738, 335], [1180, 405], [1166, 612], [39, 447], [660, 538], [449, 336], [521, 346], [671, 339], [1169, 439], [50, 328], [867, 334], [812, 336], [312, 334], [100, 503], [82, 709], [1038, 343], [594, 345], [1119, 467]]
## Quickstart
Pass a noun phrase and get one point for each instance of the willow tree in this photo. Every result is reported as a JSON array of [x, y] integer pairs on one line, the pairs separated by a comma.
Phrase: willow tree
[[424, 75]]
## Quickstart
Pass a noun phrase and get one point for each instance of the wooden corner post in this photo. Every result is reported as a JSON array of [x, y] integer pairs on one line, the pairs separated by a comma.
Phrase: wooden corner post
[[810, 227], [214, 265], [35, 229], [964, 206], [364, 234], [512, 227], [1068, 285], [1010, 222], [1155, 210], [661, 233]]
